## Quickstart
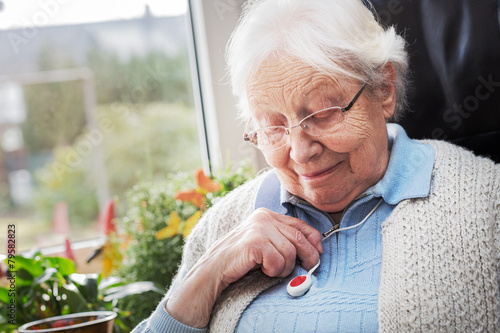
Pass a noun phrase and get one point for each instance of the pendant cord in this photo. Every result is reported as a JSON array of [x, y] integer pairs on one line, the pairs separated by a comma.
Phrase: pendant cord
[[331, 232], [299, 288]]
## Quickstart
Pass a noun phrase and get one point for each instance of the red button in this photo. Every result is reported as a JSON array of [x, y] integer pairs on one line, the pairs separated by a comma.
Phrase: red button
[[298, 281]]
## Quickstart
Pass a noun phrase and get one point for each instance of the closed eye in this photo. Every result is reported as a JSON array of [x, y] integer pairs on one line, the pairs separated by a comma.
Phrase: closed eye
[[324, 114]]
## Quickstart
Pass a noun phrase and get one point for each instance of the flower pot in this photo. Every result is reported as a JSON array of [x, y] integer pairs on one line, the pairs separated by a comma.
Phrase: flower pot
[[84, 322]]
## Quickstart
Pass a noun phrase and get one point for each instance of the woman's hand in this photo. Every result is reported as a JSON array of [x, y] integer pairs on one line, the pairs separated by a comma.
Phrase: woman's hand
[[266, 240]]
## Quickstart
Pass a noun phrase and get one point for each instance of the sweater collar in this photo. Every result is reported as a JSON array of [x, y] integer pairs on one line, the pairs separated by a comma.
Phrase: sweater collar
[[409, 172]]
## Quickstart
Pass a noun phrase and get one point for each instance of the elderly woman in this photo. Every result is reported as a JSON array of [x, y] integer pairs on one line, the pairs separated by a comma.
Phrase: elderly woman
[[406, 232]]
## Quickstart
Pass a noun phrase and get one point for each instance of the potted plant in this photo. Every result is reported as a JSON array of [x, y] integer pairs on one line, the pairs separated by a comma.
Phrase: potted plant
[[46, 287]]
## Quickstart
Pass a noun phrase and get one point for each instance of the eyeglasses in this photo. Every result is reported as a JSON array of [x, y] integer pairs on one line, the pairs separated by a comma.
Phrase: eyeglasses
[[320, 123]]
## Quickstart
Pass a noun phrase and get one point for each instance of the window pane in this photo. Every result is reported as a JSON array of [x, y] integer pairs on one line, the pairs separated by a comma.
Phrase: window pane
[[87, 110]]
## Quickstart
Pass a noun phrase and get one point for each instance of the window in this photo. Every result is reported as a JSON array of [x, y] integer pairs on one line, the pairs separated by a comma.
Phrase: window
[[88, 109]]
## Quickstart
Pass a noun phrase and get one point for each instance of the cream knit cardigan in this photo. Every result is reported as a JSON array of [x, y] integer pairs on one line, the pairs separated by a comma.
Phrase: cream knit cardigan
[[440, 257]]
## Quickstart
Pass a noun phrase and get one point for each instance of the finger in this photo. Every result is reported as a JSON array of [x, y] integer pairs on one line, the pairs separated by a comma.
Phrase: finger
[[274, 263], [289, 240], [311, 233], [286, 250], [295, 231], [305, 251], [274, 252], [260, 245]]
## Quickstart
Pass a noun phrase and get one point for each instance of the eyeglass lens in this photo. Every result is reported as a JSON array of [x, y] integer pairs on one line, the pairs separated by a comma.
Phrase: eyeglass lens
[[317, 124], [320, 123]]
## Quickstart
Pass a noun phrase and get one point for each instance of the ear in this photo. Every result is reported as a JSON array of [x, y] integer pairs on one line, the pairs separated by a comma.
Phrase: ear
[[388, 90]]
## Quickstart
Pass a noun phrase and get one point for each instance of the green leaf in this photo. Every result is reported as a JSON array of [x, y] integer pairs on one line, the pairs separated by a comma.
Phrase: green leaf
[[65, 266], [110, 282], [32, 266], [23, 277], [87, 285], [30, 298], [7, 328], [23, 283], [4, 295], [135, 288], [99, 279], [73, 298], [49, 272], [121, 325]]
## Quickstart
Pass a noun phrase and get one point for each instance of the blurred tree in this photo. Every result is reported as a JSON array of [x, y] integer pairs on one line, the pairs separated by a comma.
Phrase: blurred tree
[[55, 111], [110, 76], [164, 140], [5, 200], [60, 182], [147, 103], [55, 115], [155, 77]]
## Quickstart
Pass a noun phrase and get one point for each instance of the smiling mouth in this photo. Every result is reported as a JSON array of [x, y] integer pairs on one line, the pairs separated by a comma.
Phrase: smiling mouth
[[322, 173]]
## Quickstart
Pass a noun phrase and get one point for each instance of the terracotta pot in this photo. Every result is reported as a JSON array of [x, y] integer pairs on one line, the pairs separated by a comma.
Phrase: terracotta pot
[[84, 322]]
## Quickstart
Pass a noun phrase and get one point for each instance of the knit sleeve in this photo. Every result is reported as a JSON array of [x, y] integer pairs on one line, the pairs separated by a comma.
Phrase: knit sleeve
[[496, 209], [161, 322]]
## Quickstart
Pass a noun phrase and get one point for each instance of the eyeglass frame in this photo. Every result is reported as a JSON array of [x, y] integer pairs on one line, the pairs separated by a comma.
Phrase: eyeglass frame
[[288, 129]]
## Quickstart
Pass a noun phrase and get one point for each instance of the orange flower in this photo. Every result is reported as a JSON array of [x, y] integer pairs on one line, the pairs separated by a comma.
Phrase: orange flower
[[193, 196], [205, 182]]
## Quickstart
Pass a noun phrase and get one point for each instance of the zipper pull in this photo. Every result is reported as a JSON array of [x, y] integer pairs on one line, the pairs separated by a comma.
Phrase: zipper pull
[[330, 232]]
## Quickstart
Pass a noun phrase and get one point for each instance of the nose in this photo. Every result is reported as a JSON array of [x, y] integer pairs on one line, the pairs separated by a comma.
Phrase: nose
[[303, 147]]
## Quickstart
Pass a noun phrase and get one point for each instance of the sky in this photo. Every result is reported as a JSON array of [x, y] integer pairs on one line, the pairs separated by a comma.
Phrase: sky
[[25, 13]]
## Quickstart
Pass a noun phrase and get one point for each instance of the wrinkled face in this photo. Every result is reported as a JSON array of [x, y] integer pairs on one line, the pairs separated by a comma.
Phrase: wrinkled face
[[328, 171]]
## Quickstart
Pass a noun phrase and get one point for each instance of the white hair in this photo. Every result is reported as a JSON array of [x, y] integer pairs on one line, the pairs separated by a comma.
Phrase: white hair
[[339, 37]]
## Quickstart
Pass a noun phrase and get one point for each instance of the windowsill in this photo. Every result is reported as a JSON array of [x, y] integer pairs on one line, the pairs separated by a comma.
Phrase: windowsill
[[81, 250]]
